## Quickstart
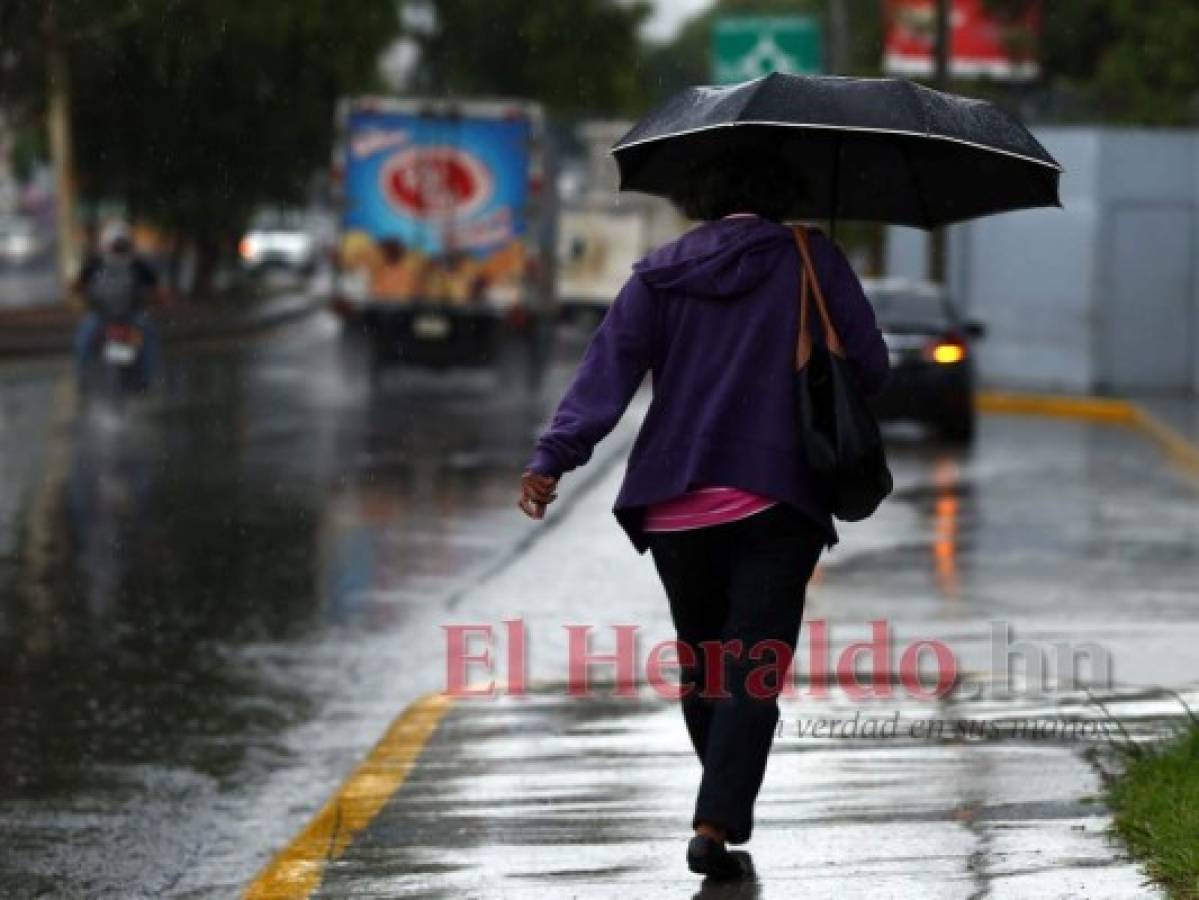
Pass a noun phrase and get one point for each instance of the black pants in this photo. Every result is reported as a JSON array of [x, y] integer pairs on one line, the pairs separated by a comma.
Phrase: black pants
[[743, 581]]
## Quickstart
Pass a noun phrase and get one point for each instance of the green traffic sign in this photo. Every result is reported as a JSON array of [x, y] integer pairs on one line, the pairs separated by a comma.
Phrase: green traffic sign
[[745, 47]]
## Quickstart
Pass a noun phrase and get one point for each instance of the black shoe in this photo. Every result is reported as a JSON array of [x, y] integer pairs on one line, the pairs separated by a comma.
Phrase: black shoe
[[706, 856]]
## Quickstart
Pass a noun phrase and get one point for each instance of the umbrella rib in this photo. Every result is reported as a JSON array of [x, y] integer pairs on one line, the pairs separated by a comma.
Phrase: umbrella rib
[[854, 128]]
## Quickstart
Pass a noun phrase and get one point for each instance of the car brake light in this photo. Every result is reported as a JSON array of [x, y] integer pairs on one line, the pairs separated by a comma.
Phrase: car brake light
[[946, 352], [245, 248]]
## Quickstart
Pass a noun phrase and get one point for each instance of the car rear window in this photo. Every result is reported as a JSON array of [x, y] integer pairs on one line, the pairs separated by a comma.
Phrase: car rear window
[[912, 309]]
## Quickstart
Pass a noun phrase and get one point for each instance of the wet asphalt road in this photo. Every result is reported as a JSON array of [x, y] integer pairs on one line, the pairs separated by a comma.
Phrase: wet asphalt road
[[212, 605], [190, 589]]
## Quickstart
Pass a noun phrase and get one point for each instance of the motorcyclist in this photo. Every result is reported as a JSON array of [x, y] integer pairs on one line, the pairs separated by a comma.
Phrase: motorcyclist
[[117, 284]]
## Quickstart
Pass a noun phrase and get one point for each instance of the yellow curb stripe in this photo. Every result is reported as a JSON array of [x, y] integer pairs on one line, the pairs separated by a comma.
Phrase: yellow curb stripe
[[1182, 452], [1096, 409], [298, 869]]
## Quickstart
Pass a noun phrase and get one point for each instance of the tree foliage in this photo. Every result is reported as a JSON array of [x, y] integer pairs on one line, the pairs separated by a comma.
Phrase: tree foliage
[[578, 57], [1126, 61], [1119, 61], [194, 113]]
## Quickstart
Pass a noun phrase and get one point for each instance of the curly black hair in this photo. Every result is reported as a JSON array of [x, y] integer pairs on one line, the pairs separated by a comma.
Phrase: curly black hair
[[741, 179]]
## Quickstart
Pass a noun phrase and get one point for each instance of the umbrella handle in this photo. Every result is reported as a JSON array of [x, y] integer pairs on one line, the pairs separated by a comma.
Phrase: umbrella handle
[[809, 281]]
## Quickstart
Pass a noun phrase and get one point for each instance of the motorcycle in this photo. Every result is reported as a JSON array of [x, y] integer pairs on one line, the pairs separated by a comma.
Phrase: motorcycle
[[117, 360]]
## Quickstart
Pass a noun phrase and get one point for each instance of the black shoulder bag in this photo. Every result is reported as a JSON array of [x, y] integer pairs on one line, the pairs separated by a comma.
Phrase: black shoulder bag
[[838, 434]]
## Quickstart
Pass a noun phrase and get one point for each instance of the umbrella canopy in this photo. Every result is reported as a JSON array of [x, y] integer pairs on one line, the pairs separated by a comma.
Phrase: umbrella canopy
[[871, 149]]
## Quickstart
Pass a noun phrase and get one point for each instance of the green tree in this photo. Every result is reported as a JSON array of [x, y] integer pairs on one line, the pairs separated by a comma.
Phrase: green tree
[[578, 58], [192, 114], [1125, 61]]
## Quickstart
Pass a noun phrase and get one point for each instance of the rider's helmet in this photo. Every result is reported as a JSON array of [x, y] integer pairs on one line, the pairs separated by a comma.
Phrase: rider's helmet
[[115, 237]]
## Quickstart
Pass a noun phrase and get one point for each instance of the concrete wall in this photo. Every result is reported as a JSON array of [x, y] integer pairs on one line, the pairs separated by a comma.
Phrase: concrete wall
[[1145, 322], [1101, 295]]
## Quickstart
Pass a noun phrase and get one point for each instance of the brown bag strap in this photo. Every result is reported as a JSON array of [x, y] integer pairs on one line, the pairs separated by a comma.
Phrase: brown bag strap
[[810, 284]]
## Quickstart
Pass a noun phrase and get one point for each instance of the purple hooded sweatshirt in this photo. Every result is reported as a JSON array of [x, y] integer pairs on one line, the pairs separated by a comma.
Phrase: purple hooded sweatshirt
[[713, 316]]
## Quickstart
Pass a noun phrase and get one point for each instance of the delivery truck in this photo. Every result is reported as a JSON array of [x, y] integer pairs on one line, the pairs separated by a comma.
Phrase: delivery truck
[[602, 233], [447, 244]]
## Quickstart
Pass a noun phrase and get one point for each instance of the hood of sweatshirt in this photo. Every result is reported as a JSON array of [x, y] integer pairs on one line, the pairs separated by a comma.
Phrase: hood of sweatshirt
[[723, 259]]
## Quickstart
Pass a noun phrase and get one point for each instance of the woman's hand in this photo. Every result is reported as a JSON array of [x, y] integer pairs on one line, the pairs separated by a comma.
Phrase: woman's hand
[[536, 493]]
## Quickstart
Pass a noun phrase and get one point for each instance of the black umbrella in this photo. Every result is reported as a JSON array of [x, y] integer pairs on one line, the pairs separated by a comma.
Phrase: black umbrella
[[872, 149]]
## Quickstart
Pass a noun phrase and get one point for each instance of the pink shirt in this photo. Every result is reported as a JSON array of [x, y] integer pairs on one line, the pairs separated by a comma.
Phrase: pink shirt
[[703, 507]]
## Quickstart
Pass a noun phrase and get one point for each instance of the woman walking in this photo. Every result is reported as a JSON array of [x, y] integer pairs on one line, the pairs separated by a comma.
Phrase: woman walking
[[716, 488]]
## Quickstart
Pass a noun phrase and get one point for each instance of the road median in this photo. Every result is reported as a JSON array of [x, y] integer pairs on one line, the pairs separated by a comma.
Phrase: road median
[[50, 330]]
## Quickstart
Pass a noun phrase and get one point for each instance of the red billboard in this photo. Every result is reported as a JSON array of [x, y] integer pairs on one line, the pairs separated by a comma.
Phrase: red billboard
[[982, 43]]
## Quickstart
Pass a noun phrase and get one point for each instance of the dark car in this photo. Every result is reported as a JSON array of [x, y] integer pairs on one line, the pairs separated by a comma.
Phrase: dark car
[[932, 364]]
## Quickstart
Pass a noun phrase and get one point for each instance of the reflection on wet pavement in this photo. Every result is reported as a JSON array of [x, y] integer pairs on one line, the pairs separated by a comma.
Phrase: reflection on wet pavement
[[1065, 533], [547, 796], [182, 585]]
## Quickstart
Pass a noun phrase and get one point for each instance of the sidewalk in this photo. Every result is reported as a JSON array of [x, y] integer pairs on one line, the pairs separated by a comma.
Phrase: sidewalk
[[552, 796], [40, 330]]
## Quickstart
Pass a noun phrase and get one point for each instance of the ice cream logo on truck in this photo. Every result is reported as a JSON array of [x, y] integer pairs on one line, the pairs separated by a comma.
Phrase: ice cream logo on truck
[[445, 225], [432, 182]]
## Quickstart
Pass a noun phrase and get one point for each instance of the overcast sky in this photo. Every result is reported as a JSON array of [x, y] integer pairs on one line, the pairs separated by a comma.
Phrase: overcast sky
[[670, 14]]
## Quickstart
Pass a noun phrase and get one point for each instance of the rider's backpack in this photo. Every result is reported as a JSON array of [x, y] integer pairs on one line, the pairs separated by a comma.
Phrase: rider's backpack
[[113, 290]]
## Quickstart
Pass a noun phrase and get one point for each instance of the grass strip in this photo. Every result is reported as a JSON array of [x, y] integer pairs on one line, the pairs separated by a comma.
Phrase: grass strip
[[1156, 805]]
